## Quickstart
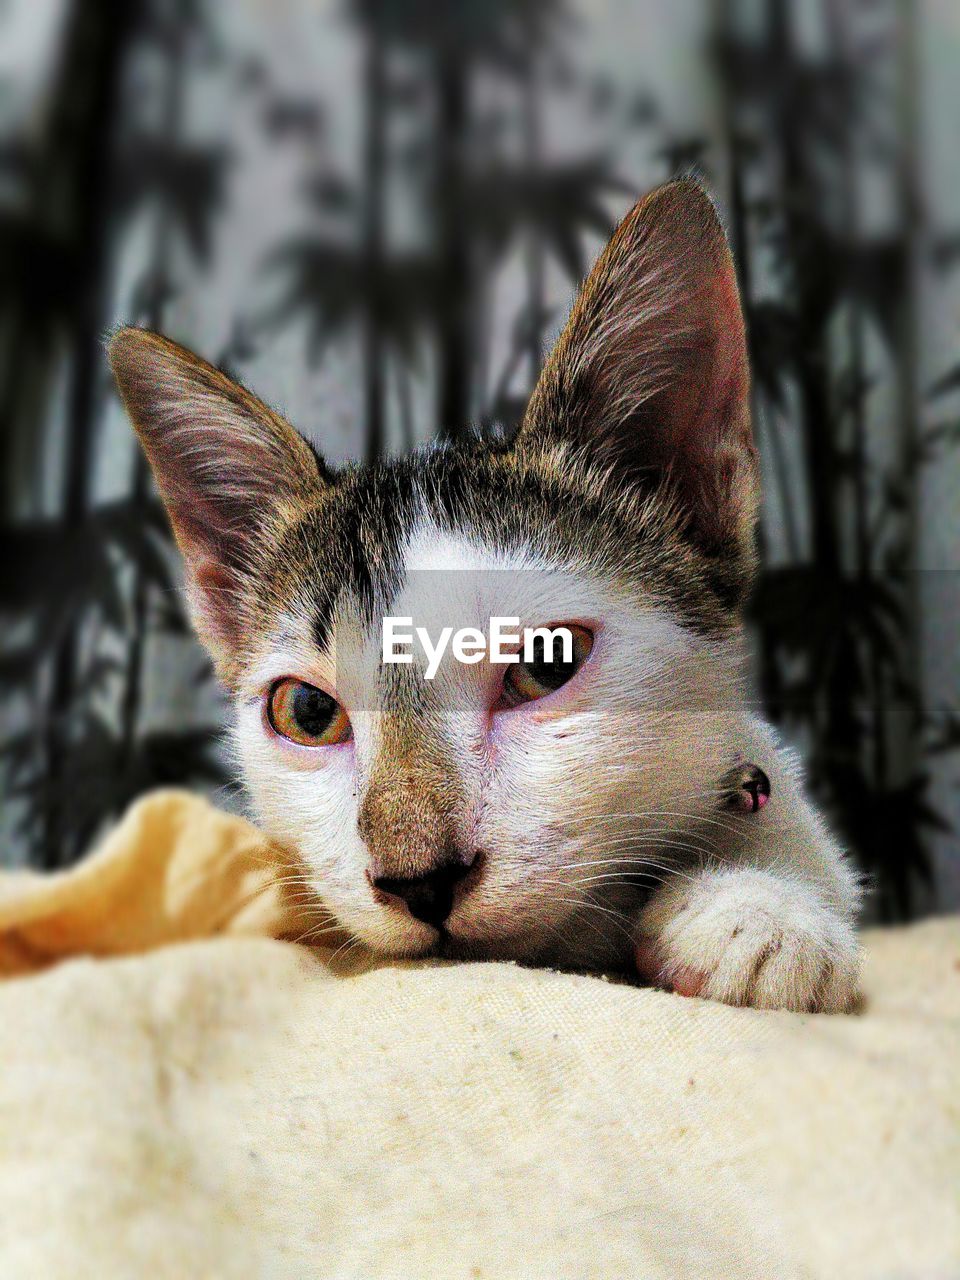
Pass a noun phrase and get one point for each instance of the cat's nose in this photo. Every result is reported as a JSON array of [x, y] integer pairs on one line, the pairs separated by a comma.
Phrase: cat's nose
[[428, 897]]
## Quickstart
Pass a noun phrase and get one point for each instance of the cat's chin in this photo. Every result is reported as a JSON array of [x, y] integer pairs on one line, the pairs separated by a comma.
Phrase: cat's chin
[[450, 947], [524, 949]]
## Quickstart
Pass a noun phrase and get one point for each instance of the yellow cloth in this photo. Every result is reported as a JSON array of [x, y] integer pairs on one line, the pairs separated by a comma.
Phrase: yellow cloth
[[174, 869], [233, 1108]]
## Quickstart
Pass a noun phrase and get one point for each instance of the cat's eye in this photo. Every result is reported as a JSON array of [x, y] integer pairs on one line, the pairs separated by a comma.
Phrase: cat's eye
[[306, 715], [526, 681]]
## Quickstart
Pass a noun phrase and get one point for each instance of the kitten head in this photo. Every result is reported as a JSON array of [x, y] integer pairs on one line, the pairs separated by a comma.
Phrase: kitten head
[[496, 810]]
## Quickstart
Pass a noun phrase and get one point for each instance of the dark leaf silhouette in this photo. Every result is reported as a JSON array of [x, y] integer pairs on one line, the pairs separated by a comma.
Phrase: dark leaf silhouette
[[331, 287], [189, 181], [946, 383], [558, 205], [293, 118]]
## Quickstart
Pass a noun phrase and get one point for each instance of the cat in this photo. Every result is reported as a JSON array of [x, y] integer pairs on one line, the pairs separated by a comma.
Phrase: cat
[[581, 813]]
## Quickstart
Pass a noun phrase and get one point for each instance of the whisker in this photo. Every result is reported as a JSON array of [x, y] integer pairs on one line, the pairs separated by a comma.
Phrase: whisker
[[695, 819], [664, 843], [588, 902]]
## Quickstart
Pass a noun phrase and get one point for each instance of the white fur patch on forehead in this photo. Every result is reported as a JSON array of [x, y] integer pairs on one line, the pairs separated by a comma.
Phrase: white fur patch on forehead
[[455, 581], [428, 547]]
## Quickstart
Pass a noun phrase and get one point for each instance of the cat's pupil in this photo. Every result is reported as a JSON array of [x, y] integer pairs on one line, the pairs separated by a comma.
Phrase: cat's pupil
[[312, 710], [552, 672]]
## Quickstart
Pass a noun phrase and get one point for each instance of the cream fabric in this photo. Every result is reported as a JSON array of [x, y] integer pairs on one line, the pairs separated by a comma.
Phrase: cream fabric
[[235, 1108]]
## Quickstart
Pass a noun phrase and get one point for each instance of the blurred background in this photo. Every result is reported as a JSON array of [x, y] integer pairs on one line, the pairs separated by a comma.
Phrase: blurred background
[[375, 213]]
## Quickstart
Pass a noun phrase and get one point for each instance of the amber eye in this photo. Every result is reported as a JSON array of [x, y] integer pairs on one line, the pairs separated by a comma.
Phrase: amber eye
[[306, 715], [548, 670]]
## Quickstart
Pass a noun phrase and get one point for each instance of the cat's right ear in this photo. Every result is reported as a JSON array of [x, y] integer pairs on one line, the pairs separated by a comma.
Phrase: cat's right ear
[[226, 467]]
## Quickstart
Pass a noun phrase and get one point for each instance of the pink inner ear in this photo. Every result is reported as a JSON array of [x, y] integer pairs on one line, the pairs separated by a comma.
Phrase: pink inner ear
[[659, 335], [215, 599], [731, 375], [652, 369], [702, 406], [697, 429]]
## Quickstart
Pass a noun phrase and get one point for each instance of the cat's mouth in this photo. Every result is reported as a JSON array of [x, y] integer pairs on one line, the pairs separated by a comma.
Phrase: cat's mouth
[[449, 947]]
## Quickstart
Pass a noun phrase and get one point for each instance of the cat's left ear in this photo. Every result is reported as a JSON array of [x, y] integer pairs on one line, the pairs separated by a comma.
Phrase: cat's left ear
[[651, 376]]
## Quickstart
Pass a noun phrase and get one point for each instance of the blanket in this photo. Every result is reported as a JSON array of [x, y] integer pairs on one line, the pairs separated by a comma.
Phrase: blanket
[[183, 1094]]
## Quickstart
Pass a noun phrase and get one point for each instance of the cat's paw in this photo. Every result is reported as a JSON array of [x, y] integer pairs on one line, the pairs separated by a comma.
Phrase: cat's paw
[[748, 937]]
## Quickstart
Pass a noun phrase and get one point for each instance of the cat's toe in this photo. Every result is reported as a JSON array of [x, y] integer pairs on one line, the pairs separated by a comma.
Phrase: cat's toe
[[747, 937]]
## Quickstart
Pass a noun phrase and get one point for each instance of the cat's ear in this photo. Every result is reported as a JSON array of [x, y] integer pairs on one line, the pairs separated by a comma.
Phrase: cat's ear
[[651, 372], [226, 467]]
